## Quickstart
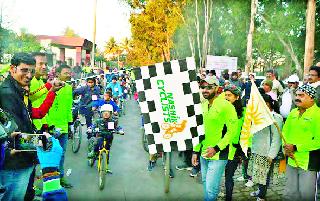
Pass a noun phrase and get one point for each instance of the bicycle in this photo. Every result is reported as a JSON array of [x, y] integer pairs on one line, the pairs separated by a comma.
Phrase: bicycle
[[102, 157], [76, 130]]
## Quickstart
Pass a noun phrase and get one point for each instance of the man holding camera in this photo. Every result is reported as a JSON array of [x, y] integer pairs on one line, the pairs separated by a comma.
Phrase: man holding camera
[[18, 166]]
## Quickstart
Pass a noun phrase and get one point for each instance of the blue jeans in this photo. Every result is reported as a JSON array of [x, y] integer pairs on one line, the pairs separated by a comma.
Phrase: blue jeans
[[13, 183], [211, 171], [63, 139]]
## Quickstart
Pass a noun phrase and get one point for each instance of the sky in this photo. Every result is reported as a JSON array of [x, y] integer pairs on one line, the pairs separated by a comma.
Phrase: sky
[[51, 17]]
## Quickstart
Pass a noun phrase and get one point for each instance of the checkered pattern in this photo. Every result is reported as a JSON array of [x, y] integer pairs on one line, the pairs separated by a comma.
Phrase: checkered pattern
[[180, 80]]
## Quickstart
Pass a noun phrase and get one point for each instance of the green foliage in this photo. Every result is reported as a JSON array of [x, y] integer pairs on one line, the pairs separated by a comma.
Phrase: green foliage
[[12, 43]]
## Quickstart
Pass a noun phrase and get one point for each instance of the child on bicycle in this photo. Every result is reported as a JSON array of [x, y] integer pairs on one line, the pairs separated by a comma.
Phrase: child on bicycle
[[102, 128]]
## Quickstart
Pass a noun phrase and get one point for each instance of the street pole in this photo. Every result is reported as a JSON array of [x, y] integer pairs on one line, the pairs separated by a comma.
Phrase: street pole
[[94, 33]]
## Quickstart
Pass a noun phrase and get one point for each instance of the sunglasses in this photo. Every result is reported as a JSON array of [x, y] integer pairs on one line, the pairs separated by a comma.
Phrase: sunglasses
[[209, 87]]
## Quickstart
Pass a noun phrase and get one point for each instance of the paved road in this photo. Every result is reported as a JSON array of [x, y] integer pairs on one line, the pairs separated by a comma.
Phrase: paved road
[[130, 179]]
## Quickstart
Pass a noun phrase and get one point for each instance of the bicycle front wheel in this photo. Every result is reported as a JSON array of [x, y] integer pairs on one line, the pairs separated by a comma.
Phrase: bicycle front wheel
[[77, 136], [102, 170], [167, 172]]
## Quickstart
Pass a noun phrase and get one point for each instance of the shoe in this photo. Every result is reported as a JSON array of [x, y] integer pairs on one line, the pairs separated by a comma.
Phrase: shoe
[[109, 171], [171, 174], [194, 172], [221, 194], [183, 167], [240, 178], [64, 183], [249, 183], [255, 193], [260, 199], [91, 154], [37, 191], [120, 130], [151, 165]]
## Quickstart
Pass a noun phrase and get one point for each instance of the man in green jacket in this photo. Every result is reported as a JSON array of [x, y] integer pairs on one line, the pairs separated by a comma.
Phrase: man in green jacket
[[60, 115], [38, 91], [220, 124], [302, 134]]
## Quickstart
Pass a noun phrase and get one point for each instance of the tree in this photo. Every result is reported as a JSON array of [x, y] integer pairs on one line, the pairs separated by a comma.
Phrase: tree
[[310, 34], [69, 32], [152, 32], [254, 6]]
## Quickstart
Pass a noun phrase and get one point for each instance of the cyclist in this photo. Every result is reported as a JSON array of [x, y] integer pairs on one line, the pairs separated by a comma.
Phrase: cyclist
[[104, 125], [114, 85], [89, 93], [108, 100]]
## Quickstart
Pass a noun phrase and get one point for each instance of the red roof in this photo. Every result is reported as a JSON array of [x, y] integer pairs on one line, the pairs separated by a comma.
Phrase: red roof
[[63, 40]]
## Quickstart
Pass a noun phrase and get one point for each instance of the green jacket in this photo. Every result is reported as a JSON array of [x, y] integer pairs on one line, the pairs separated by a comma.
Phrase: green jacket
[[236, 138], [304, 132], [38, 94], [220, 127], [60, 114]]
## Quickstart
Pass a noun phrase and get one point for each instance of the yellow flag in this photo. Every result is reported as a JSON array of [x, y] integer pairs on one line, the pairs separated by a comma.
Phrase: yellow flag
[[257, 117]]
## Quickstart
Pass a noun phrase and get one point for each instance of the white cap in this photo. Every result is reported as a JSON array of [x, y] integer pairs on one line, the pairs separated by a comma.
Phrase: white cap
[[106, 107], [293, 78]]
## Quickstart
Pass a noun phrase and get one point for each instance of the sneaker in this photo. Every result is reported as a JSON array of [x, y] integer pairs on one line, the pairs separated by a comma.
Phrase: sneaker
[[260, 199], [64, 183], [37, 191], [121, 131], [171, 174], [240, 178], [255, 193], [194, 172], [109, 171], [221, 194], [151, 165], [91, 154], [249, 183], [183, 167]]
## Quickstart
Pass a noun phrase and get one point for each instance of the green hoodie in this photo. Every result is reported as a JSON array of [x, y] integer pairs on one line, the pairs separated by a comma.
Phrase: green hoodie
[[304, 132], [60, 114], [220, 125]]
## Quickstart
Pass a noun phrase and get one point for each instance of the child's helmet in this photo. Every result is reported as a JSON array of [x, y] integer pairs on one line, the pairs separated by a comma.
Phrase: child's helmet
[[106, 107]]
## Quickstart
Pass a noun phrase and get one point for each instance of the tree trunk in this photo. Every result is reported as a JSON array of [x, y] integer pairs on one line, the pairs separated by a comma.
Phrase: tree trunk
[[197, 24], [310, 32], [254, 5], [207, 16]]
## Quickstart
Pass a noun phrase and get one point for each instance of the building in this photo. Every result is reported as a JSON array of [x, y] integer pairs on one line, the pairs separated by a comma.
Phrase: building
[[72, 50]]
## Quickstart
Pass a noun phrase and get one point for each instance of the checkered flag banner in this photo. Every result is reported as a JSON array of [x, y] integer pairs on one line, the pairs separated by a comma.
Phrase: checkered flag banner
[[170, 104]]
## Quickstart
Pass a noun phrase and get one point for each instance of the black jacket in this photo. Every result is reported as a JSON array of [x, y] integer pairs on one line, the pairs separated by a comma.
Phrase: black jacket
[[11, 100]]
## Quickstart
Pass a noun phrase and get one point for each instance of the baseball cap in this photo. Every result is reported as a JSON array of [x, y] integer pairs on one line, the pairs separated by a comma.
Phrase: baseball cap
[[210, 81]]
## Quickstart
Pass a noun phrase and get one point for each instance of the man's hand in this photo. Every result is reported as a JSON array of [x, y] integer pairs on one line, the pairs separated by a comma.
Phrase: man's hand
[[194, 160], [210, 152], [269, 160], [289, 150], [56, 85]]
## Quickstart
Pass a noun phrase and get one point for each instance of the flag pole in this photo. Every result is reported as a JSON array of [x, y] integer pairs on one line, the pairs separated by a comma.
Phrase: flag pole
[[284, 140]]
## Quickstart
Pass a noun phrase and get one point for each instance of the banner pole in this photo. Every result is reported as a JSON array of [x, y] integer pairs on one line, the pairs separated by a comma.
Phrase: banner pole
[[284, 140]]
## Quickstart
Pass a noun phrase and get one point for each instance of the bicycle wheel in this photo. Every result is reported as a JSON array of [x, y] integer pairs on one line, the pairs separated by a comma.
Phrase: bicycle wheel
[[77, 136], [102, 170], [144, 141], [167, 172]]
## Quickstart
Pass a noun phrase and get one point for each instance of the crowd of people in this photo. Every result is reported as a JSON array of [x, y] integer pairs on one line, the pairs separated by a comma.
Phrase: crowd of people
[[295, 109], [34, 102]]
